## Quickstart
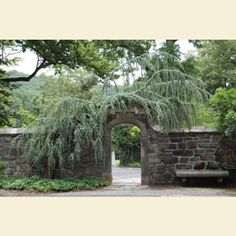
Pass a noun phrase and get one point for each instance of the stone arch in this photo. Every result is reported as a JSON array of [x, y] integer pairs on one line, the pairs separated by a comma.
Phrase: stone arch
[[129, 118]]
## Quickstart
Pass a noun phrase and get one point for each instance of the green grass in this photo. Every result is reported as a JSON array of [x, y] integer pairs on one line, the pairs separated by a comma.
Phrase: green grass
[[39, 184], [131, 164]]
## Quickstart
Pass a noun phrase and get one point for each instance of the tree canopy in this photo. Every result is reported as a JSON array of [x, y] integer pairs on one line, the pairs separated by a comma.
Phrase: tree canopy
[[217, 63], [98, 56]]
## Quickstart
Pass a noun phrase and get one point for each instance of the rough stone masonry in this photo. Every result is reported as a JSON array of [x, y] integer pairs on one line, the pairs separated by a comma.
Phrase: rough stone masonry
[[161, 154], [196, 150]]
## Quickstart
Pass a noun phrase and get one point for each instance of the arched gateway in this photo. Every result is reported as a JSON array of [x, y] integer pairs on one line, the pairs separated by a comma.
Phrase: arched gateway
[[139, 120], [167, 156]]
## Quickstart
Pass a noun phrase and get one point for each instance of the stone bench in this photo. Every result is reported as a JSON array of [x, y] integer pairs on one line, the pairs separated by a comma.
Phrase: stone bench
[[219, 174]]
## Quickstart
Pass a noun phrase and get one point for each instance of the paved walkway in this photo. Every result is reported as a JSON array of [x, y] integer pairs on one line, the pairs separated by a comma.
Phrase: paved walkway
[[126, 175]]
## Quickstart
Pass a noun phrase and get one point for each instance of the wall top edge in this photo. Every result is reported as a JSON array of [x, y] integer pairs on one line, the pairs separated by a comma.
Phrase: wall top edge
[[15, 131]]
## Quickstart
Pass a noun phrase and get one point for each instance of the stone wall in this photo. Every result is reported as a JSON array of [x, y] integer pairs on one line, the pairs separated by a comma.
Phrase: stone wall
[[187, 150], [162, 154], [13, 163]]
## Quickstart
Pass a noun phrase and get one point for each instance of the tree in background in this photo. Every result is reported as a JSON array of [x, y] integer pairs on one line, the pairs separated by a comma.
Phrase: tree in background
[[30, 100], [126, 144], [217, 63], [4, 106], [23, 105], [97, 56], [5, 60], [224, 103]]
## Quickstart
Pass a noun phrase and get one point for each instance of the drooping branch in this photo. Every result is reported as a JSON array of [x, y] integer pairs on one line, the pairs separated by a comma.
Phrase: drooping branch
[[39, 66]]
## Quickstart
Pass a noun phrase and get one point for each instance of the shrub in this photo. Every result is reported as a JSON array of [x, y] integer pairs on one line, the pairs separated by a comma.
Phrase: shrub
[[39, 184], [224, 103]]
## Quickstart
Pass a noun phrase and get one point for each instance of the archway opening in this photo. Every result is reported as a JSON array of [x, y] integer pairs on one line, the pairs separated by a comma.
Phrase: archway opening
[[126, 154]]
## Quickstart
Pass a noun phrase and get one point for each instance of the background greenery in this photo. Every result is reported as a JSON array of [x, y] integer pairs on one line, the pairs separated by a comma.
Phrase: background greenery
[[126, 144]]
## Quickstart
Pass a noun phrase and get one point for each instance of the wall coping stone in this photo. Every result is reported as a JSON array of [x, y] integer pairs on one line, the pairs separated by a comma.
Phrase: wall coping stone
[[197, 129], [12, 131]]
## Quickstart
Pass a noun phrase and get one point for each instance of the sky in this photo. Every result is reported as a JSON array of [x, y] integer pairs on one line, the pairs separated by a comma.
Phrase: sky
[[29, 59]]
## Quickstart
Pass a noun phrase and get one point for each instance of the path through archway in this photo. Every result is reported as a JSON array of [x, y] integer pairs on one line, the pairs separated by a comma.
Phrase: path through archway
[[139, 120], [126, 155]]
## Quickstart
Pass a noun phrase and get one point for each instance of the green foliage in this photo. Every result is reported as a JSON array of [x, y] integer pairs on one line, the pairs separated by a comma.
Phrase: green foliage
[[29, 100], [23, 105], [2, 165], [77, 84], [133, 164], [98, 56], [189, 64], [60, 136], [168, 97], [206, 116], [4, 106], [217, 64], [25, 118], [126, 143], [224, 103], [47, 185], [8, 48]]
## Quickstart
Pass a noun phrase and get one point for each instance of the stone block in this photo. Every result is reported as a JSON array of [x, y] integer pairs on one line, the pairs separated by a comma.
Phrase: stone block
[[7, 139], [172, 146], [168, 159], [188, 153], [167, 146], [175, 140], [205, 154], [183, 159], [162, 178], [191, 144], [199, 165], [207, 157], [183, 166], [207, 144], [152, 159], [215, 138], [213, 165], [204, 137], [188, 138], [195, 158], [163, 168], [181, 146]]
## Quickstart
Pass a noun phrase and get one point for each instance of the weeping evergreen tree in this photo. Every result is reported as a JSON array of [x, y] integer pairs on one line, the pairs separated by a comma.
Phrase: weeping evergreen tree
[[166, 94]]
